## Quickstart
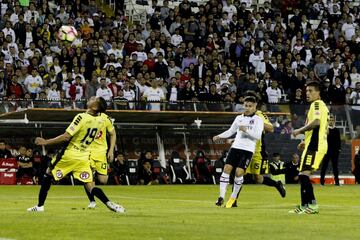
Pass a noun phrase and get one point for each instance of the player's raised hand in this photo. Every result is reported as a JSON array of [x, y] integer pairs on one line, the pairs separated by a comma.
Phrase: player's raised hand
[[215, 138], [243, 128], [301, 146], [40, 141]]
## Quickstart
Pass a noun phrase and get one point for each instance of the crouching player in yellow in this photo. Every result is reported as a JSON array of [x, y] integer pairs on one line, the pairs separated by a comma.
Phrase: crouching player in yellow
[[100, 154]]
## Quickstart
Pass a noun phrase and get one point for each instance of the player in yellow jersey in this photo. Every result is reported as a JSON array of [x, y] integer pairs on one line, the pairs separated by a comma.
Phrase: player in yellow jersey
[[259, 164], [74, 157], [99, 154], [314, 147]]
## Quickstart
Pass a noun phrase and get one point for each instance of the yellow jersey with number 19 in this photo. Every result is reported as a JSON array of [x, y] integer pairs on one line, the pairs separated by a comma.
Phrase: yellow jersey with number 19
[[83, 129], [316, 139]]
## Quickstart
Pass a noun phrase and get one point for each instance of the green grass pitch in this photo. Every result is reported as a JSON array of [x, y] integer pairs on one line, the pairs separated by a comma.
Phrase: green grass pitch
[[178, 212]]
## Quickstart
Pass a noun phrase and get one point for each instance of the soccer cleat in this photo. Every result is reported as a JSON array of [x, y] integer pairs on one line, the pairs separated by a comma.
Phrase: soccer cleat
[[219, 202], [235, 203], [298, 209], [230, 202], [92, 205], [36, 209], [115, 207], [280, 187], [312, 209]]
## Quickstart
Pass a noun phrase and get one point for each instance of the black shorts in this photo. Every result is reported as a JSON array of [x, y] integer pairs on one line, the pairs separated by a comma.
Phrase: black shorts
[[238, 158]]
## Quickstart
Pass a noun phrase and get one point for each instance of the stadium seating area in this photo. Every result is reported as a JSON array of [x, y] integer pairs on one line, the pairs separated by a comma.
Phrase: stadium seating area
[[183, 55], [222, 50]]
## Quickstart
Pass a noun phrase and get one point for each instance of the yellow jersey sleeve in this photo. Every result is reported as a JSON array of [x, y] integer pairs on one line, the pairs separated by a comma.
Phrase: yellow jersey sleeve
[[75, 125], [263, 116]]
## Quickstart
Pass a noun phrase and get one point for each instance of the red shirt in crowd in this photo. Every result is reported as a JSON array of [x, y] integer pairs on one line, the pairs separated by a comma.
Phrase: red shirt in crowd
[[114, 89], [151, 64], [15, 89]]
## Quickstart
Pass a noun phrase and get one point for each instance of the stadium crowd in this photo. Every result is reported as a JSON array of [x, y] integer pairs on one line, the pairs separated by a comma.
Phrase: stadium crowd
[[217, 54]]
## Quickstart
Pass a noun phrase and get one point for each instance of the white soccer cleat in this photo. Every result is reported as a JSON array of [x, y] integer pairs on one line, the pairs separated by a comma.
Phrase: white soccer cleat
[[36, 209], [115, 207], [92, 205]]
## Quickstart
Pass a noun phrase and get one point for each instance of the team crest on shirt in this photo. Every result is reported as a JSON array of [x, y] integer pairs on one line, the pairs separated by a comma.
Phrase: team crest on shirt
[[59, 174], [84, 175], [251, 121], [99, 135]]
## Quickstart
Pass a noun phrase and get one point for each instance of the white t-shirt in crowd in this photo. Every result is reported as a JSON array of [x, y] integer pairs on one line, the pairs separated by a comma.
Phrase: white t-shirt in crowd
[[105, 93], [274, 95]]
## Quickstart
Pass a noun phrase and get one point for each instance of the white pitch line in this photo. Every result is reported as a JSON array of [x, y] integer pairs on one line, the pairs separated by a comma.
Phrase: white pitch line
[[193, 201]]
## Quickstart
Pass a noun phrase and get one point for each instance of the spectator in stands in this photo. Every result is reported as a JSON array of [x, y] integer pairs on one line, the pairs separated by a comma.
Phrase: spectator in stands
[[292, 172], [321, 68], [14, 88], [25, 162], [146, 175], [33, 83], [4, 152], [333, 152], [337, 93], [119, 168], [202, 168], [154, 94], [104, 91]]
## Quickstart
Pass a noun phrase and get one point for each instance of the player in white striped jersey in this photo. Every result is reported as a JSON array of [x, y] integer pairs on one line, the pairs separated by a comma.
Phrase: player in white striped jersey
[[248, 128]]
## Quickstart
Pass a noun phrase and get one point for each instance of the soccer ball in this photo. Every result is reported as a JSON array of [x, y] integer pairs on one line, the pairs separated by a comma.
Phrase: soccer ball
[[67, 33]]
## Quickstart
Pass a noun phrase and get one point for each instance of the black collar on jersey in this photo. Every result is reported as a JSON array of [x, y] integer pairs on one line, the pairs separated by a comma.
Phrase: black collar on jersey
[[249, 115]]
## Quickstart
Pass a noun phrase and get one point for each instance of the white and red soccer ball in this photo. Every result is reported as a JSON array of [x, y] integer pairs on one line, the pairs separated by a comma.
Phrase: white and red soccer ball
[[67, 33]]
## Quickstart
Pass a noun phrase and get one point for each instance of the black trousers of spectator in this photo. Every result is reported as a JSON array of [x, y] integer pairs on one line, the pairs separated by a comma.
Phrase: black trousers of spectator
[[25, 171], [355, 117], [334, 157]]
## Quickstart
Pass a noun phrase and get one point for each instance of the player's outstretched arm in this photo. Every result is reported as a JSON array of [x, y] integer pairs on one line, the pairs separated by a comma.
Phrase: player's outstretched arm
[[228, 133], [311, 125], [65, 137]]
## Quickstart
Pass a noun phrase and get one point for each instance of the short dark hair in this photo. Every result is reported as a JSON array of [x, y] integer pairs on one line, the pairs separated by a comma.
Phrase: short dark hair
[[250, 99], [250, 93], [102, 105], [276, 154], [314, 84]]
